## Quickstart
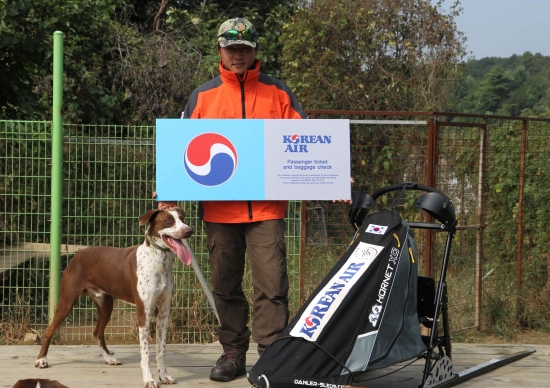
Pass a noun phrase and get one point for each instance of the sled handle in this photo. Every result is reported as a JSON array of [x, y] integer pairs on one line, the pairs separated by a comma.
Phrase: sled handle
[[435, 203]]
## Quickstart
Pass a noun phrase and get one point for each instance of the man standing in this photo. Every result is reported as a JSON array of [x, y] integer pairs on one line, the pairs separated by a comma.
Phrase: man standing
[[236, 227]]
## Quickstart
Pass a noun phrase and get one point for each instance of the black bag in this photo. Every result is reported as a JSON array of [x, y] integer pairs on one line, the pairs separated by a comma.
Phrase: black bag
[[362, 316]]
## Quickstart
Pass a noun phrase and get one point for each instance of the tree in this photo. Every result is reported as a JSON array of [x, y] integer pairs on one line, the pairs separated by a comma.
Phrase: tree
[[125, 62], [156, 69], [494, 90], [514, 86], [372, 54], [26, 29]]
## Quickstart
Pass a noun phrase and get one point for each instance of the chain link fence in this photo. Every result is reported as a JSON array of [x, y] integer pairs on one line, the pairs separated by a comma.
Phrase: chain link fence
[[493, 168]]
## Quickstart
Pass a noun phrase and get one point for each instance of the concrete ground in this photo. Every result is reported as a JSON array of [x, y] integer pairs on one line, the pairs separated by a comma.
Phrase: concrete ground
[[82, 366]]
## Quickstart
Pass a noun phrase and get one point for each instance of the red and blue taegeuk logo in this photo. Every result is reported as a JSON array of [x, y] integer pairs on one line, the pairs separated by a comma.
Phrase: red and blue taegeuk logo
[[210, 159]]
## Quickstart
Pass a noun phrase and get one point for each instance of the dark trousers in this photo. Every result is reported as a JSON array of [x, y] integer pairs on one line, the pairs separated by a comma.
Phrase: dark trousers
[[264, 242]]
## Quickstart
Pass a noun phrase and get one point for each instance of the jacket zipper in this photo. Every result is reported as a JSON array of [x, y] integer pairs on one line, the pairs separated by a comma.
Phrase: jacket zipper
[[242, 100], [244, 117]]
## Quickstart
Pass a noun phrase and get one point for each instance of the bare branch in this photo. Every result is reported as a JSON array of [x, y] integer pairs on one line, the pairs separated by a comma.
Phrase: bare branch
[[158, 16]]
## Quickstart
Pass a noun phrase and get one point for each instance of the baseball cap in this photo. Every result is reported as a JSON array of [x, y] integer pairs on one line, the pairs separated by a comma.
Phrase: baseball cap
[[237, 31]]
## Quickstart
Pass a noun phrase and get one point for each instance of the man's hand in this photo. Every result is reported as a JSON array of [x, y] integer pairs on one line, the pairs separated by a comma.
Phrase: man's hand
[[164, 204], [351, 181]]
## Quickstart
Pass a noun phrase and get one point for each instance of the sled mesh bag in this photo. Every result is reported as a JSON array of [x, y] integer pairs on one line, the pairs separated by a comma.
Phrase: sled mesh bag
[[361, 317]]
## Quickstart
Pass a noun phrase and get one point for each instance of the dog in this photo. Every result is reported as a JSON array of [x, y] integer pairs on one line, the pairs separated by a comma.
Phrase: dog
[[38, 383], [140, 275]]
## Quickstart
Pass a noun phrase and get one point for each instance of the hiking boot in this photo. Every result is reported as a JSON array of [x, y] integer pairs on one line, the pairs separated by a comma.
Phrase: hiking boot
[[228, 367]]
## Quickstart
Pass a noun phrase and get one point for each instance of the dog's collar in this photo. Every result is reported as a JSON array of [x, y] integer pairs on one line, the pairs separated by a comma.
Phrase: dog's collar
[[156, 245]]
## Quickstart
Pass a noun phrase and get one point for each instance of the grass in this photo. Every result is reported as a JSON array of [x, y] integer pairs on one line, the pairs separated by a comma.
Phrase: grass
[[16, 323]]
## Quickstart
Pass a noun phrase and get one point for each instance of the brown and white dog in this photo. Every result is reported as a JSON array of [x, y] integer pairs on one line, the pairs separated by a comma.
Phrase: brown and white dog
[[140, 275], [38, 383]]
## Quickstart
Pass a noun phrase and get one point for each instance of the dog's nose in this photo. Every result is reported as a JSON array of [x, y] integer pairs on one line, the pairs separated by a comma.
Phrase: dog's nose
[[188, 233]]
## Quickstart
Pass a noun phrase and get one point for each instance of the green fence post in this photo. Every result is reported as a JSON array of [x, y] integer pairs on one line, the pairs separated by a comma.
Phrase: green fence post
[[57, 174]]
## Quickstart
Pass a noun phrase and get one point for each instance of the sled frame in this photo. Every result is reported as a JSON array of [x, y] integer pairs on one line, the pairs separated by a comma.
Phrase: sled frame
[[438, 346]]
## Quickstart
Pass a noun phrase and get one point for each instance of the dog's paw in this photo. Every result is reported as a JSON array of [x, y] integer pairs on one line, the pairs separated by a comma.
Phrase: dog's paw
[[109, 359], [168, 380], [41, 363], [151, 384]]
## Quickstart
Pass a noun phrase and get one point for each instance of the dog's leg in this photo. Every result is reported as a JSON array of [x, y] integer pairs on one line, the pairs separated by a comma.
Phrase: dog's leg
[[144, 333], [68, 294], [104, 305], [163, 319]]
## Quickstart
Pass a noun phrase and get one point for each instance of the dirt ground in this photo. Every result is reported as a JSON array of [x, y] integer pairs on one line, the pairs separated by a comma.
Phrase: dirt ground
[[82, 366]]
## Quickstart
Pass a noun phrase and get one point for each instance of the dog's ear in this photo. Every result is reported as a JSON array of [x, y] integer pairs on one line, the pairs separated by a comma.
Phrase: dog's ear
[[145, 218]]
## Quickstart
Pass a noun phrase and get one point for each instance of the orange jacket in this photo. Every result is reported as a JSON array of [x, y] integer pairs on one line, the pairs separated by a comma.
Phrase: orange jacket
[[258, 96]]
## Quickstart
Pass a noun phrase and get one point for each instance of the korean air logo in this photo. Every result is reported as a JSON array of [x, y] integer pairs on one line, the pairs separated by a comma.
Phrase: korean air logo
[[210, 159], [299, 143], [321, 309], [311, 323]]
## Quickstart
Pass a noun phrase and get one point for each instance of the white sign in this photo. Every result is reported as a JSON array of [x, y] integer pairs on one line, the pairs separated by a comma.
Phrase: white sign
[[231, 159]]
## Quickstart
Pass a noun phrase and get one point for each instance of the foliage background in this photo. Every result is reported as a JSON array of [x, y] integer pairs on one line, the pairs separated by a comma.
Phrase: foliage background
[[515, 86], [132, 61]]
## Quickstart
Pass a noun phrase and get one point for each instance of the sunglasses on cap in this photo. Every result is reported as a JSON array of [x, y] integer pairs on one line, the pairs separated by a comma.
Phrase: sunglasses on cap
[[249, 35]]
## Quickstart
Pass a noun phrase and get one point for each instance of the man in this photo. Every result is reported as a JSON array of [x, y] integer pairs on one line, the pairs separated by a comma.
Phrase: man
[[236, 227]]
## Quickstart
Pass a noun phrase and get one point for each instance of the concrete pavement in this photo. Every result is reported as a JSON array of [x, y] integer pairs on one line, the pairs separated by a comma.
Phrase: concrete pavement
[[83, 366]]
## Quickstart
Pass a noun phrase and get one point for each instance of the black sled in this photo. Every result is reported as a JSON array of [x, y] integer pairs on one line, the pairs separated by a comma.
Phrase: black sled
[[367, 312]]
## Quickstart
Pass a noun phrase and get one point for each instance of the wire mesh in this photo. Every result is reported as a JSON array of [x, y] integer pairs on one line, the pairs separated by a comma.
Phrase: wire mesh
[[493, 168], [516, 262], [480, 170], [24, 211], [458, 172], [534, 286], [109, 178]]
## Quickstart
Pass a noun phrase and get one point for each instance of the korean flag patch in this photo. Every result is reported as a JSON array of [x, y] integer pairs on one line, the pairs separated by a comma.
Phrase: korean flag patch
[[376, 229]]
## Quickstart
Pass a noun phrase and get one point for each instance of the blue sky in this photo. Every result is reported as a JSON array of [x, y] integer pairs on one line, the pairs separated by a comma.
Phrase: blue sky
[[501, 28]]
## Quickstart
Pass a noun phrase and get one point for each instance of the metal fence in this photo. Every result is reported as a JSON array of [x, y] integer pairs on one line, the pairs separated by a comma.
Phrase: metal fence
[[108, 180], [492, 167]]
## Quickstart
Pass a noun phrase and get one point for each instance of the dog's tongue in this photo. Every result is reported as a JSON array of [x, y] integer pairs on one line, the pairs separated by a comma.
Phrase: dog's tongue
[[183, 253]]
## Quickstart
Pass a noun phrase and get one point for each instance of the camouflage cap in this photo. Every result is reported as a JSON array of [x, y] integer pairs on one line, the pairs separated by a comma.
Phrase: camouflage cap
[[237, 24]]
